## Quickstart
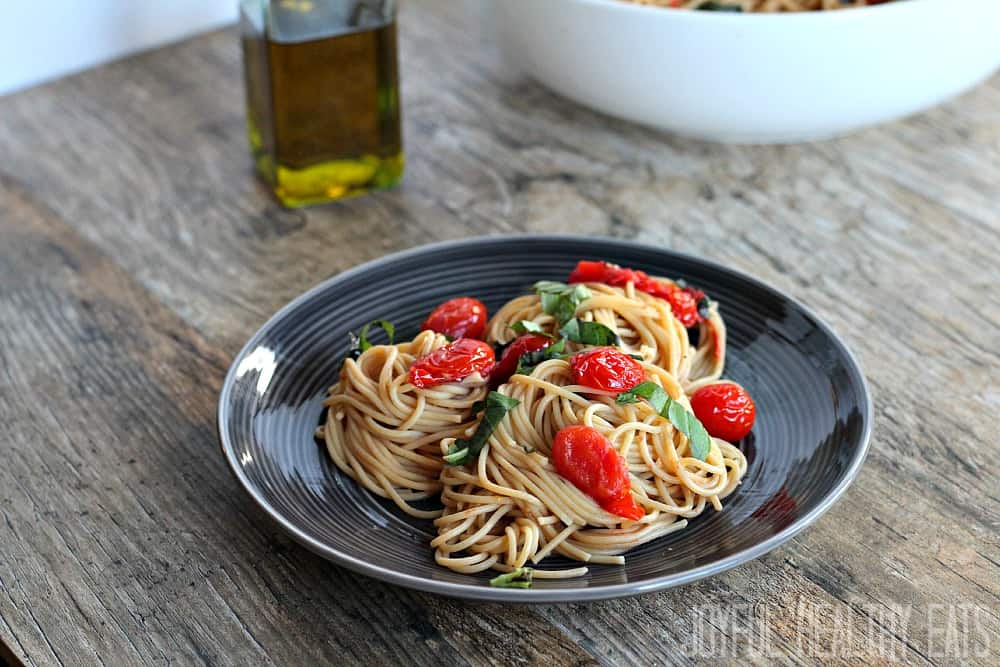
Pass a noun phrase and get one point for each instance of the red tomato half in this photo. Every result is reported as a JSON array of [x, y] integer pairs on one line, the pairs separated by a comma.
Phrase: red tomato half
[[606, 368], [463, 317], [585, 457], [725, 409], [683, 300], [512, 354], [603, 272], [453, 362], [683, 303]]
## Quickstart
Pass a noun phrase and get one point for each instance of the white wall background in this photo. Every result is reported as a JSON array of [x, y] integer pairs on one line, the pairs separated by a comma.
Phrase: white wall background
[[46, 39]]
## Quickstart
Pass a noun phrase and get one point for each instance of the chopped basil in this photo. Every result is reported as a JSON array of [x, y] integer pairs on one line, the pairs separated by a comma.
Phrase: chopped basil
[[496, 408], [527, 326], [549, 286], [359, 342], [637, 357], [651, 391], [682, 418], [689, 425], [529, 360], [704, 306], [712, 6], [385, 325], [517, 578], [589, 333], [560, 300]]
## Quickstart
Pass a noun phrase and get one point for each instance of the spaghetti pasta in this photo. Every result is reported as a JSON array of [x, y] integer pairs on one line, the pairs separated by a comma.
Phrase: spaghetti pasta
[[384, 433], [566, 459], [511, 507], [644, 324]]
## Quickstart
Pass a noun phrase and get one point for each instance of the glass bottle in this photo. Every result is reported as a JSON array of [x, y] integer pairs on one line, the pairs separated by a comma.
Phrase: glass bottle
[[322, 96]]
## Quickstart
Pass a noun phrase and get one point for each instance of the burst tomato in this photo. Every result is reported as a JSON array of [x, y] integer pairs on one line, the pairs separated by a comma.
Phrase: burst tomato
[[606, 368], [453, 362], [463, 317], [684, 301], [725, 409], [586, 459], [513, 353], [603, 272]]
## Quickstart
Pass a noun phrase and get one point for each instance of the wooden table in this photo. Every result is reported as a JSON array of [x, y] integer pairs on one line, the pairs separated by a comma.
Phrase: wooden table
[[137, 254]]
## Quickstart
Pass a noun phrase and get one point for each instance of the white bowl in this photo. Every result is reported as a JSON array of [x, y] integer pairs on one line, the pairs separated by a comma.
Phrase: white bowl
[[753, 78]]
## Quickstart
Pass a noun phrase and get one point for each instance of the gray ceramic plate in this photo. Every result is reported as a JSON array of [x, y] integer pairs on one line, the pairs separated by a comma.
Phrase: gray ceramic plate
[[809, 441]]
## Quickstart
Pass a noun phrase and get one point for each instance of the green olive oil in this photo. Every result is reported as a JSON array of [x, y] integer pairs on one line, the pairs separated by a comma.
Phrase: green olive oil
[[323, 113]]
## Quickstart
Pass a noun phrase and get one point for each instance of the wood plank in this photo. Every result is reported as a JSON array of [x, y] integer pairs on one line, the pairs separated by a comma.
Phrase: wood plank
[[137, 254], [126, 539]]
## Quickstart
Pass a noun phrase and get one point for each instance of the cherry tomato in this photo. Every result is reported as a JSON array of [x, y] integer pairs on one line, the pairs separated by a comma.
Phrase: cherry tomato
[[606, 368], [725, 409], [603, 272], [512, 354], [463, 317], [585, 457], [684, 301], [453, 362]]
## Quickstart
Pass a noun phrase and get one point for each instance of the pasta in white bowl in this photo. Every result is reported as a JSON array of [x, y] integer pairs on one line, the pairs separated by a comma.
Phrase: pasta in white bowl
[[753, 77]]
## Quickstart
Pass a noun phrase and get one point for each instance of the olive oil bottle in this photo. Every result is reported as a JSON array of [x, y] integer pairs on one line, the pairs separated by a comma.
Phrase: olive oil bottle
[[322, 89]]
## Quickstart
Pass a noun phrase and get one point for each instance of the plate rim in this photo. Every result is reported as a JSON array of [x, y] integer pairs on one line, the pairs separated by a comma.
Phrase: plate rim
[[534, 595]]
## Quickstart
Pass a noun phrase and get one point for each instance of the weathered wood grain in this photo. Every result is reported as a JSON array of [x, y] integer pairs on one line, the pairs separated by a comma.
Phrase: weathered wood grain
[[126, 541], [137, 254]]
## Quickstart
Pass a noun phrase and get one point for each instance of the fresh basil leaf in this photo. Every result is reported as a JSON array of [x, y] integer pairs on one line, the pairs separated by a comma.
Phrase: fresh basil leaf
[[516, 578], [682, 418], [456, 455], [496, 408], [559, 306], [571, 330], [353, 346], [637, 357], [565, 310], [589, 333], [385, 325], [550, 286], [560, 300], [719, 7], [477, 407], [529, 360], [359, 343], [527, 326], [550, 301], [685, 422], [579, 292], [698, 438], [704, 307], [651, 391]]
